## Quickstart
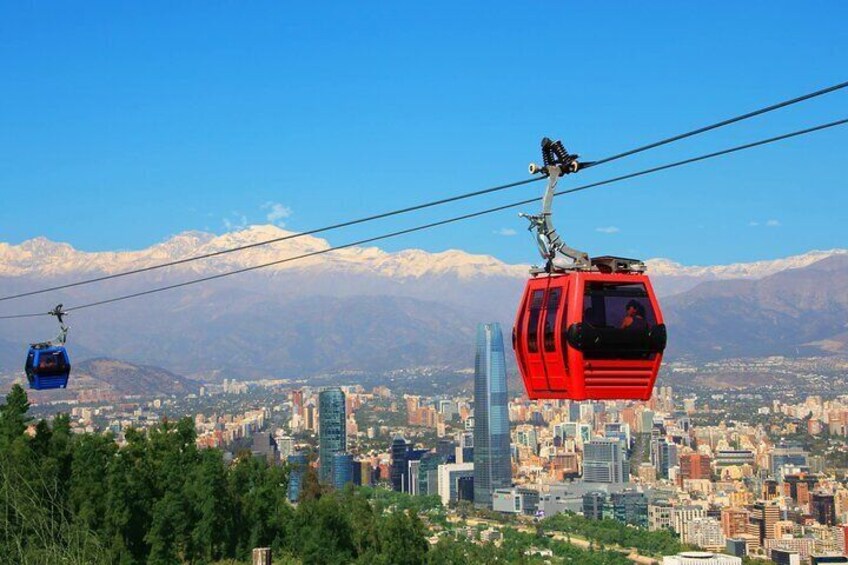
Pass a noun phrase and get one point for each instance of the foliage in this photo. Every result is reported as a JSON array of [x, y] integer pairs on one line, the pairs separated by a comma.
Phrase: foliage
[[613, 533], [158, 499]]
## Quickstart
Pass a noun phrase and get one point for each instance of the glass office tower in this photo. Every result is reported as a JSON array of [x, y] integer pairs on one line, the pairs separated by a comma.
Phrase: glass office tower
[[342, 469], [298, 463], [332, 438], [492, 466]]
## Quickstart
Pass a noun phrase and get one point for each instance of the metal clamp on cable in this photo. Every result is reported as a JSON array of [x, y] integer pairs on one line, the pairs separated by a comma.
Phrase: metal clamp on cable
[[555, 156], [63, 329]]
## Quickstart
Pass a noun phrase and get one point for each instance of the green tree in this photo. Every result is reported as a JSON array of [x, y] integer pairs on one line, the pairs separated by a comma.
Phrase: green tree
[[166, 530], [211, 508], [13, 415], [403, 539], [322, 533], [92, 459]]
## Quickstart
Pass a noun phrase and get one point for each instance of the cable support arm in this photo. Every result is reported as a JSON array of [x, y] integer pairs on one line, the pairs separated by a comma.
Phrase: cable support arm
[[558, 256]]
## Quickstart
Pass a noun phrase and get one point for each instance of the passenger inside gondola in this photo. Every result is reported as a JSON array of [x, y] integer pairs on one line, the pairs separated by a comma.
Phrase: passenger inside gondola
[[617, 307], [634, 317], [51, 364]]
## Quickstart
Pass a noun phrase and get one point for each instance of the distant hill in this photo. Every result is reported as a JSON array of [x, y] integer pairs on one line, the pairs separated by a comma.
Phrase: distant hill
[[127, 379], [798, 311], [370, 310]]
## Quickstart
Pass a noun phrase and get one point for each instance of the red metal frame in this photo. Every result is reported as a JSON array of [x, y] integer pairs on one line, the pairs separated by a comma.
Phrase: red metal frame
[[564, 373]]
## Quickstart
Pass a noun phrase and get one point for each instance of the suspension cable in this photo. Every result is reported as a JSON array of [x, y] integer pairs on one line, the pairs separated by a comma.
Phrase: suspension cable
[[424, 205], [721, 124], [444, 222]]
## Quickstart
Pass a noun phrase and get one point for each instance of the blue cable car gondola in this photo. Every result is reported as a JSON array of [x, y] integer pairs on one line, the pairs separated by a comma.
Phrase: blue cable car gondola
[[48, 365]]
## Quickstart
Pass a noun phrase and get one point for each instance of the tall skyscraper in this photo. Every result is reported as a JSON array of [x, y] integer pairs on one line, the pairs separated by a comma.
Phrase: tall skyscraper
[[333, 434], [603, 462], [492, 465], [664, 456], [400, 461]]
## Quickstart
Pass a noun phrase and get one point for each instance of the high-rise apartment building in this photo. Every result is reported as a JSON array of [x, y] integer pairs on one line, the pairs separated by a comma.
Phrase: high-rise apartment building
[[332, 436], [705, 532], [734, 521], [823, 508], [660, 516], [798, 487], [764, 516], [297, 402], [646, 422], [683, 515], [492, 464], [695, 466]]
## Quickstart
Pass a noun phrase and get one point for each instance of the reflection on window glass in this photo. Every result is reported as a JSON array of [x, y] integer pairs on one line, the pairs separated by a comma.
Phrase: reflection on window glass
[[622, 306], [533, 321], [550, 318]]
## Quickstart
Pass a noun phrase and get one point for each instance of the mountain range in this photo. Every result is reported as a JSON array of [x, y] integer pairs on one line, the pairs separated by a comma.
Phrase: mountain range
[[363, 308]]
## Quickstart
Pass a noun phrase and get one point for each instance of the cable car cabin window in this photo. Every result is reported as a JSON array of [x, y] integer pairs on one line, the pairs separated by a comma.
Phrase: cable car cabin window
[[551, 317], [617, 321], [533, 321], [51, 364]]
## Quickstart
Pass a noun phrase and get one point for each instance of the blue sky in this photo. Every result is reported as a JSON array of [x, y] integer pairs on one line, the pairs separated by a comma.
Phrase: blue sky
[[124, 123]]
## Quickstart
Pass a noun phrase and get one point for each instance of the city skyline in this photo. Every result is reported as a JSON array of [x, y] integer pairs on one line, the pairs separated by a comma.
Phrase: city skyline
[[283, 242]]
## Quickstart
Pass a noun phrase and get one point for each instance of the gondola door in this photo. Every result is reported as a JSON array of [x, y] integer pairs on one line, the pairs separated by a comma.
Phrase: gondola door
[[528, 346], [554, 344]]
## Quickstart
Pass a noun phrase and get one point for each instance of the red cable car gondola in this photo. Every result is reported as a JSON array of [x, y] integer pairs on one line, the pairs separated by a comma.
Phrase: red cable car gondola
[[585, 328]]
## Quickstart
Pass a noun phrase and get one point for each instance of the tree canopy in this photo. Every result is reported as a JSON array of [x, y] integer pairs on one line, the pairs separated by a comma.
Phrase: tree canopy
[[158, 499]]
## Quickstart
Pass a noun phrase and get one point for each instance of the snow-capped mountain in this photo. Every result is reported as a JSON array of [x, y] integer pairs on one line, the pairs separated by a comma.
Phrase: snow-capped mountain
[[364, 308], [755, 269], [42, 257]]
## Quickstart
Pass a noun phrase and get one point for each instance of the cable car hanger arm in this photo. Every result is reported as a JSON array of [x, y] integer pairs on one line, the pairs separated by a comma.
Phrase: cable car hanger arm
[[557, 255], [63, 329]]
